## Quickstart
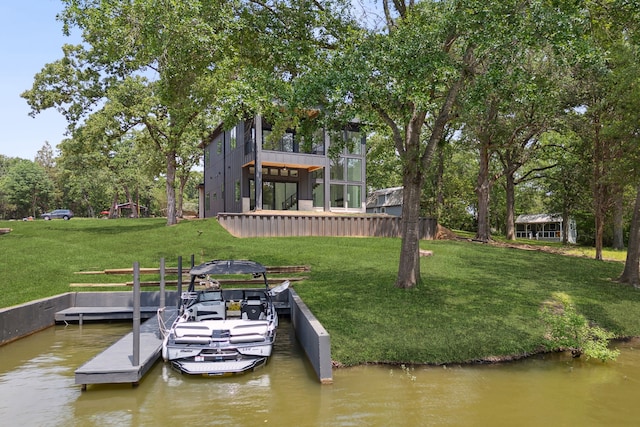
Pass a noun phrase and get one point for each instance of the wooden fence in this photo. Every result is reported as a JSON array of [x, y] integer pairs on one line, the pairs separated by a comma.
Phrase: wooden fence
[[289, 225]]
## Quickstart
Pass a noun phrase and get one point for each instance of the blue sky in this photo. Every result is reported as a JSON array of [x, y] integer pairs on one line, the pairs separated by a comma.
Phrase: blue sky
[[30, 37]]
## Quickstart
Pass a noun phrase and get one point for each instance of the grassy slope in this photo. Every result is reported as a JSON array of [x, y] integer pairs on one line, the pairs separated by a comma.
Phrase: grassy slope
[[476, 301]]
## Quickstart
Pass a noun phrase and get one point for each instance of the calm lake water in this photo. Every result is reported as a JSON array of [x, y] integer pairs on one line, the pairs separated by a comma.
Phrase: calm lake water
[[37, 389]]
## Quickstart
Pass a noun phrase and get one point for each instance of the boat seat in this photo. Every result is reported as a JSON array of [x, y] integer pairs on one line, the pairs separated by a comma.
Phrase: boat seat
[[209, 310], [253, 309]]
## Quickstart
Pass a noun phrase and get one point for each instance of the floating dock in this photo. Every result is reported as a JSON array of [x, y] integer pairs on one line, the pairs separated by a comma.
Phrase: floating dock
[[116, 363], [80, 314]]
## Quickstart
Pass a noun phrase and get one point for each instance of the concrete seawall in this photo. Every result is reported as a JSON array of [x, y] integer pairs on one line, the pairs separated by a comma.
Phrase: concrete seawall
[[25, 319], [313, 337]]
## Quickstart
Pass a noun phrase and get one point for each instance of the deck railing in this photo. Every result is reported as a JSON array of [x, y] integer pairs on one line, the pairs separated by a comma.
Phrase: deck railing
[[291, 225]]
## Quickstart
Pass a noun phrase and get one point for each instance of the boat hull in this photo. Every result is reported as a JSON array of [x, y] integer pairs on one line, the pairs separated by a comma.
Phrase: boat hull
[[214, 369]]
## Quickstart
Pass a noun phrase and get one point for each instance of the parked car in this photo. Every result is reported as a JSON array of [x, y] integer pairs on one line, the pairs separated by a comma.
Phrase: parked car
[[65, 214]]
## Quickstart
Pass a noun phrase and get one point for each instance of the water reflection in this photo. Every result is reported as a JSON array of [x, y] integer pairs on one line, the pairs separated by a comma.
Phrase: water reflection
[[37, 388]]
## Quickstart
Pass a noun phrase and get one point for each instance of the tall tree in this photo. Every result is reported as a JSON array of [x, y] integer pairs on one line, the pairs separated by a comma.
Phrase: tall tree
[[565, 185], [506, 117], [179, 46], [28, 188], [410, 74]]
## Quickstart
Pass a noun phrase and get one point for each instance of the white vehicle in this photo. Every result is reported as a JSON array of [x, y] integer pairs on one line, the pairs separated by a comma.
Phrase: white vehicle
[[223, 331]]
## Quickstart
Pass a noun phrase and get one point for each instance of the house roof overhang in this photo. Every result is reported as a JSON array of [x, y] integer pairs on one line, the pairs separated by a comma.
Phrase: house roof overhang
[[538, 219], [310, 168]]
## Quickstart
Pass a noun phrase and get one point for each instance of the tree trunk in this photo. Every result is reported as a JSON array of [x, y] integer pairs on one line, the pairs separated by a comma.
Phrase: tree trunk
[[134, 210], [631, 273], [113, 210], [483, 190], [171, 190], [599, 234], [618, 219], [440, 184], [183, 183], [565, 225], [409, 266], [511, 203], [90, 210], [412, 180]]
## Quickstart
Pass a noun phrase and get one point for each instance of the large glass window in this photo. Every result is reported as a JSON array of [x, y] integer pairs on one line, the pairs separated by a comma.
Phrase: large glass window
[[354, 170], [268, 196], [337, 195], [233, 138], [337, 169], [354, 142], [276, 195], [318, 195], [314, 144], [286, 195], [286, 143], [317, 174], [207, 156], [252, 194], [353, 196], [249, 136], [267, 140]]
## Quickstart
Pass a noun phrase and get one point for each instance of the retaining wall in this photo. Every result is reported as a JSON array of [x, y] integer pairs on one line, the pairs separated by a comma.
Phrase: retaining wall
[[34, 316], [313, 337], [295, 225]]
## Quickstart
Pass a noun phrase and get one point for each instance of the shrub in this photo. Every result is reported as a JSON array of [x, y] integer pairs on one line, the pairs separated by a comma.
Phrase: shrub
[[569, 330]]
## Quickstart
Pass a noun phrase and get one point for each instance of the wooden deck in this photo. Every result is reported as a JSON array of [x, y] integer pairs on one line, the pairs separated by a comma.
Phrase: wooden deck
[[115, 364]]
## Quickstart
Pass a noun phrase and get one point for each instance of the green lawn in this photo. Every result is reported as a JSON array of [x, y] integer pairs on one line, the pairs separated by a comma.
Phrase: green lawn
[[476, 301]]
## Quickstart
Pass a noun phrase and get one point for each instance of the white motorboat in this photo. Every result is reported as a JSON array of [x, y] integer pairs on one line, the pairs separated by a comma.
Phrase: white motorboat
[[223, 331]]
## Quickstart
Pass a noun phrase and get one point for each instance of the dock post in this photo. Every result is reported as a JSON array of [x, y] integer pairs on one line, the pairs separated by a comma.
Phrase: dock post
[[162, 284], [136, 313], [179, 280]]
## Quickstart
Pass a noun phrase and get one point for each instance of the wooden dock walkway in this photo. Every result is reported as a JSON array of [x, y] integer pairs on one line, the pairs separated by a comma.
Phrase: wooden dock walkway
[[115, 364]]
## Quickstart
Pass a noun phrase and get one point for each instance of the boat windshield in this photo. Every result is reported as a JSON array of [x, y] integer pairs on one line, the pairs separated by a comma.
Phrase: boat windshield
[[210, 296]]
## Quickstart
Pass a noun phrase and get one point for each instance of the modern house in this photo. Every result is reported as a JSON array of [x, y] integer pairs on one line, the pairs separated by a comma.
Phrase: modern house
[[544, 227], [386, 201], [248, 168]]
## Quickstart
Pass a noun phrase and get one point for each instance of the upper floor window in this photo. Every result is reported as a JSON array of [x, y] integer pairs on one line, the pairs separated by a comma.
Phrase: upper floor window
[[354, 142], [336, 172], [313, 144], [286, 143], [249, 136], [218, 142], [233, 138], [207, 156]]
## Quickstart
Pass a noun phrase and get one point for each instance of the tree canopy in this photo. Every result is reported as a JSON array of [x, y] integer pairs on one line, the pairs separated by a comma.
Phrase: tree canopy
[[532, 90]]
